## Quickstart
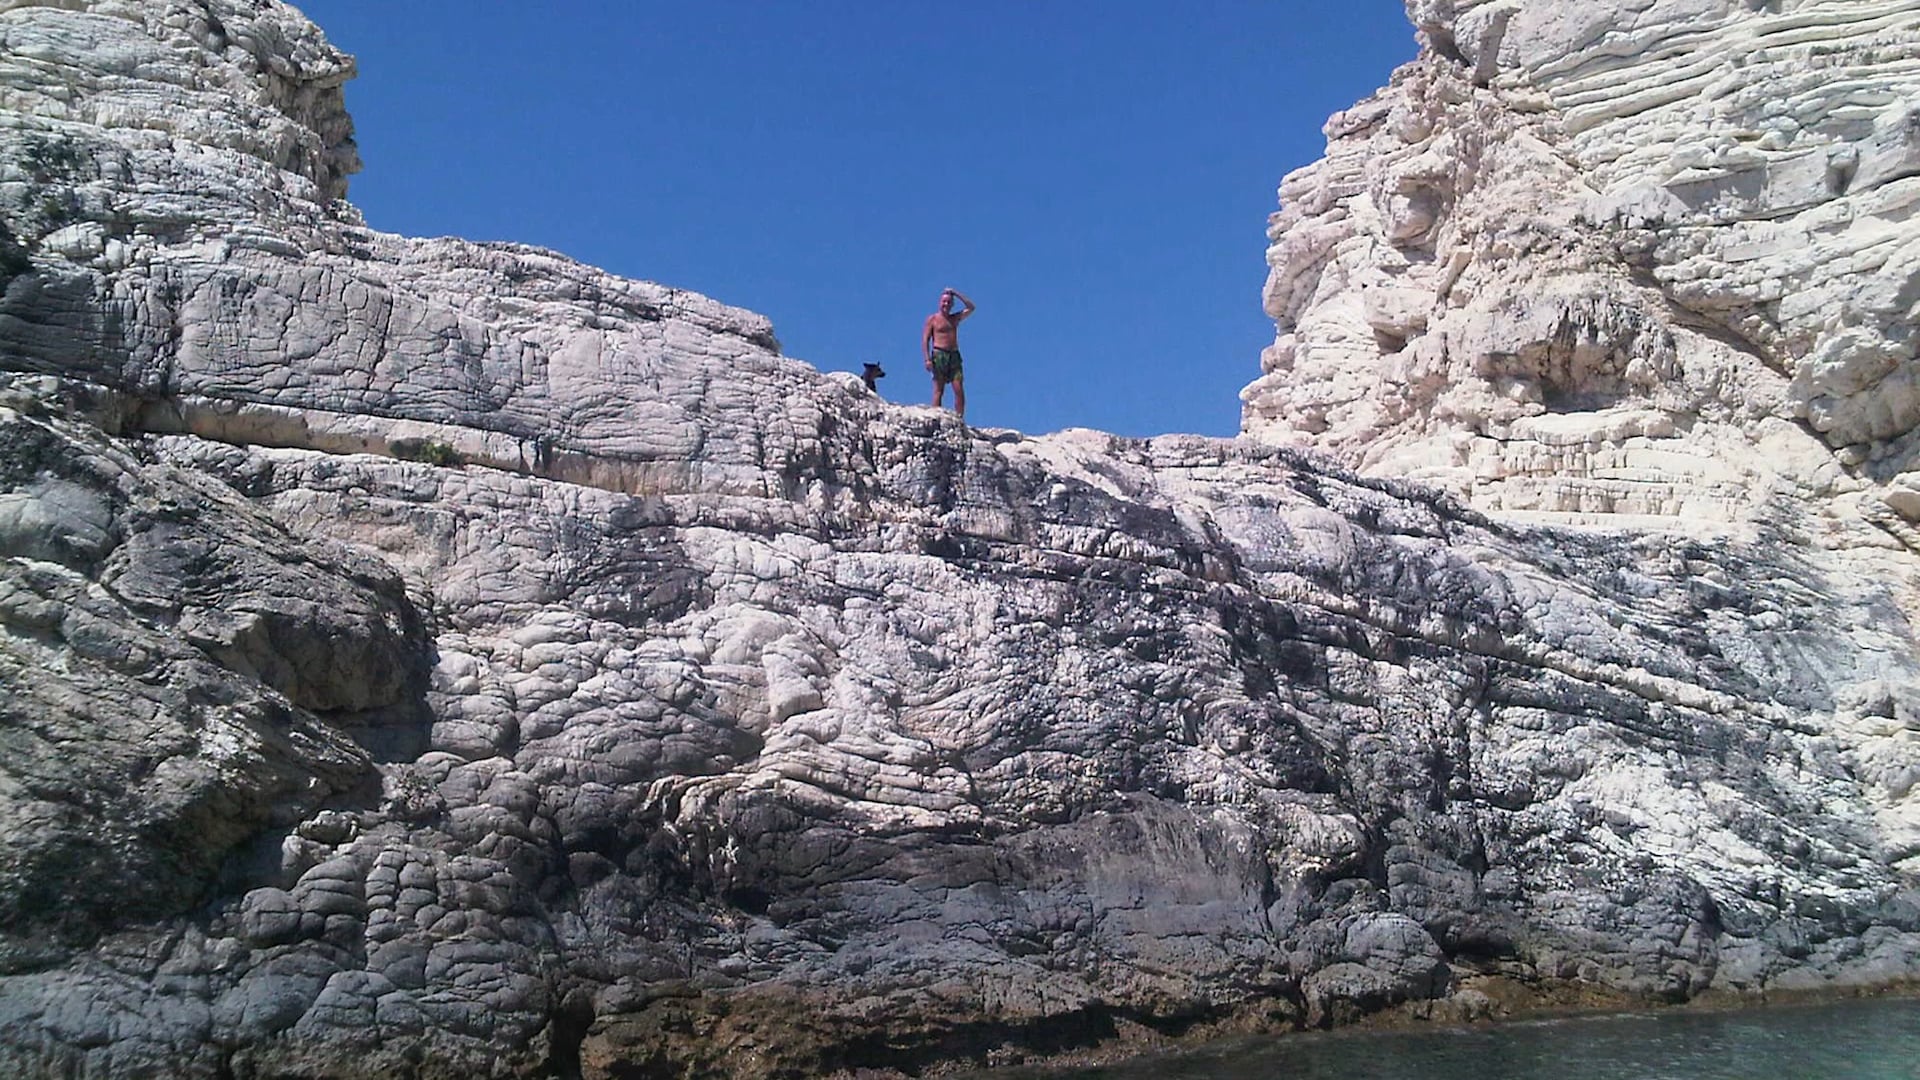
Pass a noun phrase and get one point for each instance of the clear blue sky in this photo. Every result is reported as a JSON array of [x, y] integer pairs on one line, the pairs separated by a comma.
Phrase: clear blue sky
[[1097, 176]]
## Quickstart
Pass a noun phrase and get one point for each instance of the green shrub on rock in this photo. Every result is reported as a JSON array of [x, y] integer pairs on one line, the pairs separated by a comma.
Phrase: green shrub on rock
[[428, 451]]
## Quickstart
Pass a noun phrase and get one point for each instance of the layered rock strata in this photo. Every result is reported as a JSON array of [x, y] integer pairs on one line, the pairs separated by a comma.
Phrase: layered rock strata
[[1647, 264], [427, 658]]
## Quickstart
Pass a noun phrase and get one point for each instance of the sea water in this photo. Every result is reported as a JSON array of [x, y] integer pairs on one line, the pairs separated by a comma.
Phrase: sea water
[[1855, 1040]]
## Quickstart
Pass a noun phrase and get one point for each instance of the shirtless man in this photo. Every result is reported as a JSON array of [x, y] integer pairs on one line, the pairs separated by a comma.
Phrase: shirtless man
[[940, 343]]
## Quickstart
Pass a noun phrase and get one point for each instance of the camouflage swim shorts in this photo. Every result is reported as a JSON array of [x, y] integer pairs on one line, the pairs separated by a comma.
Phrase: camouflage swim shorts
[[946, 364]]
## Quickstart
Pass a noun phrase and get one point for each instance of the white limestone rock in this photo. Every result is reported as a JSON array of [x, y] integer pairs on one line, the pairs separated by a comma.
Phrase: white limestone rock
[[1644, 263]]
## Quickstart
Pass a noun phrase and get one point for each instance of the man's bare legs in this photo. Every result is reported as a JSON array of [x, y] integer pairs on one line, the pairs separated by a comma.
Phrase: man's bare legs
[[959, 395]]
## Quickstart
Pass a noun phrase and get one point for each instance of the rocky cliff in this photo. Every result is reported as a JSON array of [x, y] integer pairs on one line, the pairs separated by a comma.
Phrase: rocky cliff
[[1650, 263], [426, 658]]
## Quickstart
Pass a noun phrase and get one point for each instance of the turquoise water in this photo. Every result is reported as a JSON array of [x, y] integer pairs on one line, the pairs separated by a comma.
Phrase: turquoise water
[[1858, 1040]]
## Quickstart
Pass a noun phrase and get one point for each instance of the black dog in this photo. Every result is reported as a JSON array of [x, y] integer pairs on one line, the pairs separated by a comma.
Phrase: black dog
[[872, 375]]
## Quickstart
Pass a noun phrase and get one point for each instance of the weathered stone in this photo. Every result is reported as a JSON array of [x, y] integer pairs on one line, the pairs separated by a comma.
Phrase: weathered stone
[[430, 658], [1646, 265]]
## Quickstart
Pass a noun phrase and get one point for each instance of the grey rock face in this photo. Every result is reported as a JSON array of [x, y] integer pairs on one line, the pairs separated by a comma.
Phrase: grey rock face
[[426, 658], [169, 649]]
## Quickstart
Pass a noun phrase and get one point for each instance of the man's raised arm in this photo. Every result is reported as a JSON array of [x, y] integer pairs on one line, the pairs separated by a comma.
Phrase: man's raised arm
[[962, 297]]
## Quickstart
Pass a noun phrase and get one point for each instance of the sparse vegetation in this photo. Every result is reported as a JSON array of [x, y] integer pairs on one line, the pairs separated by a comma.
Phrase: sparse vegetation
[[50, 158], [14, 259], [54, 165], [428, 451], [55, 209]]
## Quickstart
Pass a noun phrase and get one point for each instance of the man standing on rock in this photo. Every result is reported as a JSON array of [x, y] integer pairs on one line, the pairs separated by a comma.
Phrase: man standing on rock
[[940, 343]]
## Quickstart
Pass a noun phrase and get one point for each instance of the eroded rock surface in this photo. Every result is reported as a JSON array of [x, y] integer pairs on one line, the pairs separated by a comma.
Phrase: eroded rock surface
[[430, 659], [1651, 264]]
